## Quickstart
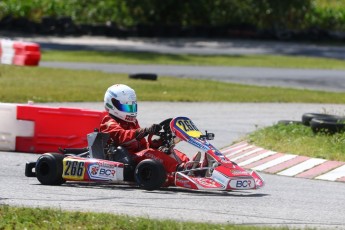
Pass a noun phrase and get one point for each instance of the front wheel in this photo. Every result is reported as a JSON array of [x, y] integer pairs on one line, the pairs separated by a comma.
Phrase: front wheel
[[49, 169], [150, 174]]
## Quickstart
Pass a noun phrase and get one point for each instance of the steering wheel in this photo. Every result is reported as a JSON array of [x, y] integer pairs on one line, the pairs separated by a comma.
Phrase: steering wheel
[[165, 135]]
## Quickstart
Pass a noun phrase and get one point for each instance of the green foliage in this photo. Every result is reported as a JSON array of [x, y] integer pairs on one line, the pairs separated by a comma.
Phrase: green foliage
[[327, 14], [265, 14], [300, 140], [281, 14]]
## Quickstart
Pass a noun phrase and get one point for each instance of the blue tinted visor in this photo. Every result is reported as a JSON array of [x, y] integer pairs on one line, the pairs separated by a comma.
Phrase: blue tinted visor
[[133, 108]]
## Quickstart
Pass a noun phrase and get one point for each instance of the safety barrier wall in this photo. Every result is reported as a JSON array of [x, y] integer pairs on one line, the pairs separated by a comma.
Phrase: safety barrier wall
[[10, 127], [19, 53], [38, 129]]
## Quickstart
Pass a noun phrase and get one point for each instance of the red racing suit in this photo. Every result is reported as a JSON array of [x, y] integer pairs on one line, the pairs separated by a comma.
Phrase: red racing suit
[[123, 134]]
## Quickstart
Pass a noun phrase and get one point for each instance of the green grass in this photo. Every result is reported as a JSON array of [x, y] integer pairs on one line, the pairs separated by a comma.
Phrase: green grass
[[200, 60], [20, 84], [300, 140], [38, 218]]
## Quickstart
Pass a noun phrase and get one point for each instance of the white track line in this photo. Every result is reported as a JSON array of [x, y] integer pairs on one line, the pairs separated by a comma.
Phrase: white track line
[[256, 158], [245, 154], [229, 149], [240, 150], [333, 175], [308, 164], [274, 162]]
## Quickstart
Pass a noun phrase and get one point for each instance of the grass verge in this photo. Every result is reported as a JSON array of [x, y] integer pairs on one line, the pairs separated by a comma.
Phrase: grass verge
[[38, 218], [275, 61], [20, 84], [300, 140]]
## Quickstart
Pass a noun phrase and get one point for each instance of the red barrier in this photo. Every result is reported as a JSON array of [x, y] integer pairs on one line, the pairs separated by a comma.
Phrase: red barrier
[[26, 53], [19, 53], [56, 127]]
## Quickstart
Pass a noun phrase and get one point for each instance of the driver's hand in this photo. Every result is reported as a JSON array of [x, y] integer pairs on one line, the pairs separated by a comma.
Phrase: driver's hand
[[153, 129]]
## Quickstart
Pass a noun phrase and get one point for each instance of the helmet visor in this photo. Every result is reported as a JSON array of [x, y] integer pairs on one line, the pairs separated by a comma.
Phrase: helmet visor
[[124, 107]]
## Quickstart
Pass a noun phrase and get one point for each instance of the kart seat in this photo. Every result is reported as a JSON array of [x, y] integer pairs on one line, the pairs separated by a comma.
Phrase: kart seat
[[97, 142], [120, 154]]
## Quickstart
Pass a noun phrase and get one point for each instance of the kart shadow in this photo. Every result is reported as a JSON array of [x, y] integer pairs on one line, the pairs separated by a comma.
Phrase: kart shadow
[[168, 190], [243, 193]]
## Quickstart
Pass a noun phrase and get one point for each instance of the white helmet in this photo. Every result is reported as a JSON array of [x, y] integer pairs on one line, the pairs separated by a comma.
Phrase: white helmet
[[121, 101]]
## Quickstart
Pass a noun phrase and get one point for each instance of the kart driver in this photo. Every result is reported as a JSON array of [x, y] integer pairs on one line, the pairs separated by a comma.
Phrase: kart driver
[[121, 103]]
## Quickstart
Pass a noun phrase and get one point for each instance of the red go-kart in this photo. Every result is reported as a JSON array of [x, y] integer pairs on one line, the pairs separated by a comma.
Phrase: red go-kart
[[100, 162]]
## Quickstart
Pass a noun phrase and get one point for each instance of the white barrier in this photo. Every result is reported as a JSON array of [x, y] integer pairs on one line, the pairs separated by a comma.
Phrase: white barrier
[[10, 127], [7, 51]]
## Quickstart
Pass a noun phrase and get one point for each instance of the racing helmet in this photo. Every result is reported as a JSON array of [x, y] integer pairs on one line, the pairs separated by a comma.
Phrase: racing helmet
[[121, 101]]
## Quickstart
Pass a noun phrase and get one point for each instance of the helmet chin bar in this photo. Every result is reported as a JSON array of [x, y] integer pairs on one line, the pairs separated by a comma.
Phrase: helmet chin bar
[[130, 118]]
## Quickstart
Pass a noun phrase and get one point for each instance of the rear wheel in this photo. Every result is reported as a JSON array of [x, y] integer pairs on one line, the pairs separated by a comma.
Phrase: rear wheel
[[150, 174], [49, 169]]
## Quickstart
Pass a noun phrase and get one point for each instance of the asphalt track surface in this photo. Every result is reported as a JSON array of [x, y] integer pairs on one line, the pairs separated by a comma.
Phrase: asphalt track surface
[[285, 201]]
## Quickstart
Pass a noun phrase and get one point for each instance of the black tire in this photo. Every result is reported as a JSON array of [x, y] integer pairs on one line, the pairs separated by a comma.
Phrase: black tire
[[289, 122], [307, 117], [144, 76], [150, 174], [49, 169], [328, 126]]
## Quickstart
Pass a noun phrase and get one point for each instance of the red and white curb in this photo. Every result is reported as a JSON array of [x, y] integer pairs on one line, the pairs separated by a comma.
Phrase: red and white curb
[[256, 158]]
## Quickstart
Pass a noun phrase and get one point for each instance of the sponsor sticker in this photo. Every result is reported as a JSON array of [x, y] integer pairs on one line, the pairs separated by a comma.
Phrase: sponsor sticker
[[207, 183], [183, 182], [153, 156], [130, 118], [105, 164], [237, 172], [242, 183], [198, 144], [109, 105], [97, 171]]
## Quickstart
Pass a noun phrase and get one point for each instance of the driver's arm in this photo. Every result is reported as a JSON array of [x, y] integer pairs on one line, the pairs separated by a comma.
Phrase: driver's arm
[[118, 134]]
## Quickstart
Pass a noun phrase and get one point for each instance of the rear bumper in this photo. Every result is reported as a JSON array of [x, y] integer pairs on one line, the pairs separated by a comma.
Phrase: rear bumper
[[29, 166]]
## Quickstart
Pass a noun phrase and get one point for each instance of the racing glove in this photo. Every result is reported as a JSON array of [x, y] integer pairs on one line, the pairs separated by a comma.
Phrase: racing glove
[[153, 129], [143, 132]]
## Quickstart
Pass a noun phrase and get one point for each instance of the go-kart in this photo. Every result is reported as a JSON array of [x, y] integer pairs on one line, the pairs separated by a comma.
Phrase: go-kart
[[103, 162]]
